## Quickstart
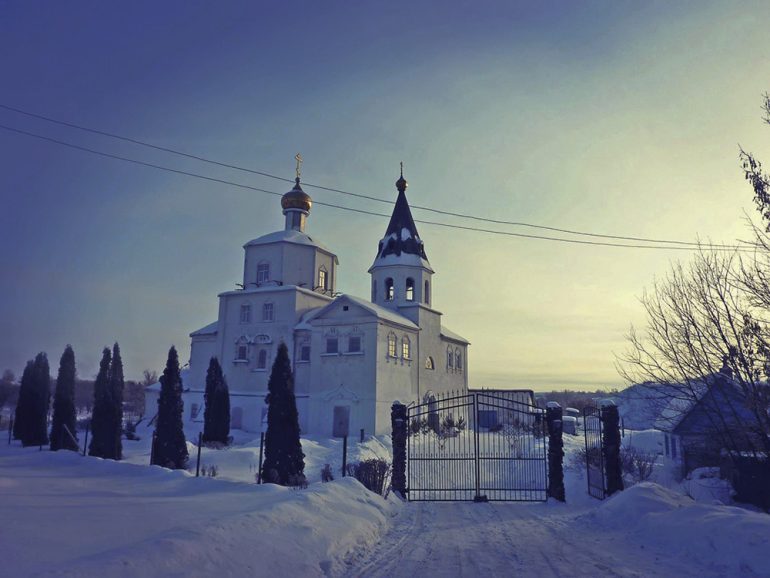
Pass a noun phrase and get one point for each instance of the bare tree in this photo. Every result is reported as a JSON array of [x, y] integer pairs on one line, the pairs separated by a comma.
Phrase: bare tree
[[149, 377]]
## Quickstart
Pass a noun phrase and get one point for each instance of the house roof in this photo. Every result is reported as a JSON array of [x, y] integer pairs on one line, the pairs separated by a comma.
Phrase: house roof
[[210, 329], [376, 310]]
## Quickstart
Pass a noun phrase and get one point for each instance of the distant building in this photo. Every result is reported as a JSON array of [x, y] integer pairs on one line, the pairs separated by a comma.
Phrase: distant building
[[352, 358]]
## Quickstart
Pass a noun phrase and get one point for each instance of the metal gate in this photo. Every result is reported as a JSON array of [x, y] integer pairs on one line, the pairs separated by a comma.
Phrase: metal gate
[[483, 446], [592, 426]]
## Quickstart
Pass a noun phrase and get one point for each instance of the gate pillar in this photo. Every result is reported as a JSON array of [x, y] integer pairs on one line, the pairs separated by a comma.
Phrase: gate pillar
[[399, 425], [553, 417], [611, 446]]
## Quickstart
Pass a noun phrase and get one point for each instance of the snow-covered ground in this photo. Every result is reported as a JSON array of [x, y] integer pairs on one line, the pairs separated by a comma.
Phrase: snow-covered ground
[[65, 515]]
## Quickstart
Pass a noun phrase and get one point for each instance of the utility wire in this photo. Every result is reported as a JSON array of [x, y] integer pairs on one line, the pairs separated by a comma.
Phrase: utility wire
[[351, 209], [359, 195]]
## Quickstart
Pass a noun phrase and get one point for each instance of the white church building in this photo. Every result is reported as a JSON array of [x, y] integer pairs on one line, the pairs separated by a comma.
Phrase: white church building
[[351, 357]]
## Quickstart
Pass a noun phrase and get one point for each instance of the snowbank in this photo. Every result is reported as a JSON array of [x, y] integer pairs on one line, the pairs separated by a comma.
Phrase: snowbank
[[725, 539]]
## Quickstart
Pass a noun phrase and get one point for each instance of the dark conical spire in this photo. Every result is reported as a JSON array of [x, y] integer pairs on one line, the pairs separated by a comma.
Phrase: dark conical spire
[[401, 235]]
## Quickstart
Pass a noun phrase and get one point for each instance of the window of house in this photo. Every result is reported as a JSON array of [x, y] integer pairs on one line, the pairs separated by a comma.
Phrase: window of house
[[392, 345], [322, 278], [267, 312], [354, 344], [449, 358], [429, 363], [245, 313], [242, 352], [458, 359], [332, 345], [426, 293], [262, 359], [263, 273], [389, 291], [406, 348], [304, 352], [409, 289]]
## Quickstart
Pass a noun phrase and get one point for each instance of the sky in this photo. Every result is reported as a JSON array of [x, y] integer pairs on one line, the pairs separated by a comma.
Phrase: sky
[[620, 118]]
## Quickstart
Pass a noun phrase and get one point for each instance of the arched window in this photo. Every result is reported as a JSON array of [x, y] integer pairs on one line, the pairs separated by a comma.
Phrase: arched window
[[263, 272], [426, 293], [242, 349], [429, 363], [449, 358], [268, 312], [262, 359], [245, 313], [391, 345], [409, 289], [322, 279], [406, 348], [458, 359], [303, 353], [389, 289], [374, 291]]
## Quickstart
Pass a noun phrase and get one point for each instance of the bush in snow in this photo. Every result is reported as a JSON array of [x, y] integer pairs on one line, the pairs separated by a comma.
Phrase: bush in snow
[[63, 424], [284, 461], [30, 422], [374, 474], [170, 446], [326, 474], [637, 464], [216, 416]]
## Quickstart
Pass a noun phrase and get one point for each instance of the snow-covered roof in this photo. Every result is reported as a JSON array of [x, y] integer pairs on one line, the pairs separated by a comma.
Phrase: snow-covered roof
[[290, 236], [445, 333], [210, 329], [401, 244], [184, 374], [380, 312]]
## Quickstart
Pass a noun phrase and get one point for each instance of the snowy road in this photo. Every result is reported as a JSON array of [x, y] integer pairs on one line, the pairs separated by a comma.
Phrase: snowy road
[[505, 539]]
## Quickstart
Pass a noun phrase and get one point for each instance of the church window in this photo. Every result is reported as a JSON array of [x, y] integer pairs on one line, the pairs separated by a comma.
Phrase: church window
[[458, 359], [426, 294], [245, 313], [374, 291], [389, 291], [263, 273], [262, 359], [267, 312], [322, 279], [242, 352], [406, 348], [449, 358], [354, 344], [332, 345], [429, 363], [304, 352], [409, 289], [391, 345]]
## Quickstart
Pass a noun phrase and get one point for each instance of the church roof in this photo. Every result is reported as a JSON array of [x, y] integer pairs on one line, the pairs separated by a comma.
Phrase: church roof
[[210, 329], [288, 236], [376, 310], [451, 335], [401, 243]]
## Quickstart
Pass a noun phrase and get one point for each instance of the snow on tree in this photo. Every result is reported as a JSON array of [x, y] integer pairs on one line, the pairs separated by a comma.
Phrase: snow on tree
[[101, 417], [216, 416], [64, 404], [116, 398], [284, 461], [170, 445]]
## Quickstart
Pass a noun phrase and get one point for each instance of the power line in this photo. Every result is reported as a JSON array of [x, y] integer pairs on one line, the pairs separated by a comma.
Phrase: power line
[[359, 195], [351, 209]]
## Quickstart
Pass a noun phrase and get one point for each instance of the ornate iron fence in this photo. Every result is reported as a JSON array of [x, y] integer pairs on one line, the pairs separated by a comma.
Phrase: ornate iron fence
[[595, 471]]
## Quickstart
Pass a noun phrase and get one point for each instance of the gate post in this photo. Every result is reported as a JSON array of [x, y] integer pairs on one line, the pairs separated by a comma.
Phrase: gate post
[[553, 418], [611, 446], [398, 423]]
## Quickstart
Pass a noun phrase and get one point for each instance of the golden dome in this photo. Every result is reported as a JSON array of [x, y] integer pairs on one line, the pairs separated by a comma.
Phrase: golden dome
[[297, 199]]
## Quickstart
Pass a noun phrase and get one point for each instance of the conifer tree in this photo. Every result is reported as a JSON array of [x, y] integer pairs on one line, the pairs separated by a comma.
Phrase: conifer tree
[[100, 416], [116, 399], [216, 415], [22, 416], [170, 446], [64, 404], [39, 400], [284, 461]]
